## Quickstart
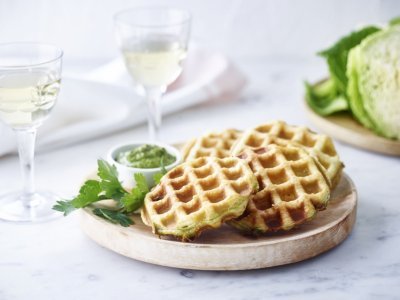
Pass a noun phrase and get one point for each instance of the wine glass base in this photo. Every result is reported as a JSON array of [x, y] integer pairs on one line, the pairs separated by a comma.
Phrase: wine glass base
[[38, 208]]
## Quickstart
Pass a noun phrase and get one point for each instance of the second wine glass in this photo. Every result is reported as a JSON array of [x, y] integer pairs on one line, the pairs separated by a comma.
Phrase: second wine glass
[[154, 44]]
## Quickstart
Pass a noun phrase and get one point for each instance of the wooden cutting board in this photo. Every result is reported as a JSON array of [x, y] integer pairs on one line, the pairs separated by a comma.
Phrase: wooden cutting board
[[226, 248], [344, 128]]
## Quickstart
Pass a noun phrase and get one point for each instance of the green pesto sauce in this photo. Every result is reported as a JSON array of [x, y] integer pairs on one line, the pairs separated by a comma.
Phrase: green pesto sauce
[[146, 157]]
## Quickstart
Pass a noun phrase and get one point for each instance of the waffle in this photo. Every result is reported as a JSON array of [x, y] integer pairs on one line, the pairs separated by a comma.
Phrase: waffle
[[291, 189], [278, 132], [199, 194], [214, 144]]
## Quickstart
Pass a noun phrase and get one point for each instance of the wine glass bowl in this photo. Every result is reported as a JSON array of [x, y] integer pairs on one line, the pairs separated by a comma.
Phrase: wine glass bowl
[[30, 75], [29, 83], [154, 44]]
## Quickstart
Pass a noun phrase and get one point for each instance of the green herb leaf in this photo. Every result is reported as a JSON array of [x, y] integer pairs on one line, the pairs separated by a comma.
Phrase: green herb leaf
[[337, 55], [109, 182], [157, 177], [113, 216], [141, 183], [108, 187], [88, 194], [134, 200], [65, 207]]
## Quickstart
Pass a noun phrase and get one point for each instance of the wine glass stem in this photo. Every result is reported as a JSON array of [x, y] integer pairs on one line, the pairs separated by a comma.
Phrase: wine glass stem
[[153, 95], [26, 148]]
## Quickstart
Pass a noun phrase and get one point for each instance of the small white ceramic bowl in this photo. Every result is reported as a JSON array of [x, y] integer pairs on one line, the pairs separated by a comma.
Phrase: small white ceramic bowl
[[126, 174]]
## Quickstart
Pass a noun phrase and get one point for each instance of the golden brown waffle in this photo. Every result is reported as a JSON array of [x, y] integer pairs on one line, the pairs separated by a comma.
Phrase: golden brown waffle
[[319, 146], [291, 189], [214, 144], [199, 194]]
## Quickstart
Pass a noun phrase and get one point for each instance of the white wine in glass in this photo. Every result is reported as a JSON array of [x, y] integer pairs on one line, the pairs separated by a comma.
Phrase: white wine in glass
[[155, 61], [30, 75], [26, 98], [154, 44]]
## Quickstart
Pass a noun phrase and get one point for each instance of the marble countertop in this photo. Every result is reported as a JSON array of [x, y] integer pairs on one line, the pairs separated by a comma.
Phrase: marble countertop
[[55, 260]]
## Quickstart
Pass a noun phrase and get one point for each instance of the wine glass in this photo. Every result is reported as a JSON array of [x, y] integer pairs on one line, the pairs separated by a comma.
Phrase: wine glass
[[29, 84], [154, 44]]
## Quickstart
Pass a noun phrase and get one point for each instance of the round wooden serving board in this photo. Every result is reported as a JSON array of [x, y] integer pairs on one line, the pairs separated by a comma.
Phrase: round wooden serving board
[[228, 249], [344, 128]]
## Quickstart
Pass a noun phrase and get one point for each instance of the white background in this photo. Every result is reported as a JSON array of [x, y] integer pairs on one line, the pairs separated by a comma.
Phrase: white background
[[240, 28]]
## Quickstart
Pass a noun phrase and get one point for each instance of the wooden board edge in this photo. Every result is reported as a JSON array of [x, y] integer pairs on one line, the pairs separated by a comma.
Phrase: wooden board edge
[[371, 142], [339, 232]]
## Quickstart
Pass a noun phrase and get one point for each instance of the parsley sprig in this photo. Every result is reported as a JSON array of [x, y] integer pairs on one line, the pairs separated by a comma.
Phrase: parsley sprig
[[109, 187]]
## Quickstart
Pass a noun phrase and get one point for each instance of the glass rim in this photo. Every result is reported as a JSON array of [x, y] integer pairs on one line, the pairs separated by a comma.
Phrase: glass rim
[[186, 19], [57, 57]]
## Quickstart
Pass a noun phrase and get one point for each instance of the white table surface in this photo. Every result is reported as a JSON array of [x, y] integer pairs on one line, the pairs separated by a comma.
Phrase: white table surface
[[55, 260]]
